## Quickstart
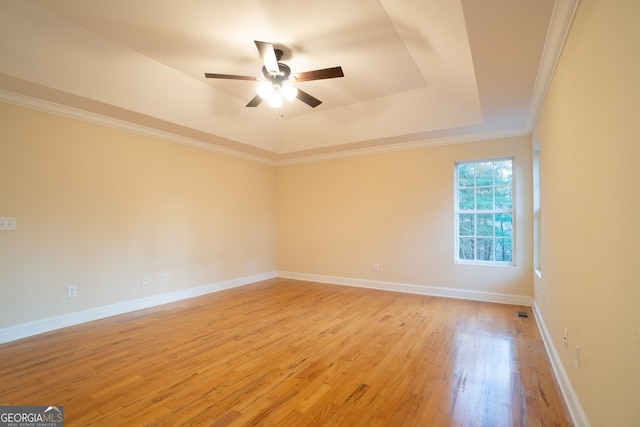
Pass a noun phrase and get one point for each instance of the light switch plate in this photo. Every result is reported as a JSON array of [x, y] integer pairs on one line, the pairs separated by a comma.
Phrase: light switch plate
[[7, 223]]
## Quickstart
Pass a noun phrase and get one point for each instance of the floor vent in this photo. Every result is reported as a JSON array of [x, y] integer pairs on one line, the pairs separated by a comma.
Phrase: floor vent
[[522, 314]]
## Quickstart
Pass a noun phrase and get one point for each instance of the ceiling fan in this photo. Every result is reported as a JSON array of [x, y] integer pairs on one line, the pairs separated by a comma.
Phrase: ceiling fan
[[278, 78]]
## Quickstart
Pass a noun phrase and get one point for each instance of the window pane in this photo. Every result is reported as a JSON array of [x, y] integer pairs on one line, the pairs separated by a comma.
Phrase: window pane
[[502, 172], [484, 173], [484, 198], [465, 199], [504, 250], [503, 197], [503, 224], [466, 225], [485, 211], [485, 249], [466, 248], [466, 175], [484, 226]]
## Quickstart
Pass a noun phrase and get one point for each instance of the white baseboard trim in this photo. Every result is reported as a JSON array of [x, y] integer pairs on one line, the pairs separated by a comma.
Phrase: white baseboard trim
[[24, 330], [578, 417], [413, 289]]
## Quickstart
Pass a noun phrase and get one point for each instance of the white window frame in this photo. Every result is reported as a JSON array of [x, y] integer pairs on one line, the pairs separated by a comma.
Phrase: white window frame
[[457, 213], [537, 212]]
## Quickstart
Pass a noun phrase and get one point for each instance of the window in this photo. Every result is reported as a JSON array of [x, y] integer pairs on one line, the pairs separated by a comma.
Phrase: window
[[484, 211], [536, 209]]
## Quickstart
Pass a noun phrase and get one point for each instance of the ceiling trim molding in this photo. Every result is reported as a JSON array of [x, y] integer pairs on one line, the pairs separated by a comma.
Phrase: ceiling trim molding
[[44, 106], [559, 26], [25, 101], [333, 143], [405, 146]]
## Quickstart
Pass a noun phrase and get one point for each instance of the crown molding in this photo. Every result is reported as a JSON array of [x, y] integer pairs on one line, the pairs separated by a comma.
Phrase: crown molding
[[559, 26], [77, 114], [25, 101], [412, 145]]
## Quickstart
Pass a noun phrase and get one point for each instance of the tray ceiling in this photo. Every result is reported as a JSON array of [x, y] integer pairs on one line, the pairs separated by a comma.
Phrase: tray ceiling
[[415, 72]]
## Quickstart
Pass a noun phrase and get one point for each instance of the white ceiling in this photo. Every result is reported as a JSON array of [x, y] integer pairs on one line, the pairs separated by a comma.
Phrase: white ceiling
[[416, 72]]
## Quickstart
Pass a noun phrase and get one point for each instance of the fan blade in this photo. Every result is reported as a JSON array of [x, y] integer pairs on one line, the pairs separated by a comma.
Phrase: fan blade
[[268, 56], [326, 73], [311, 101], [228, 76], [254, 102]]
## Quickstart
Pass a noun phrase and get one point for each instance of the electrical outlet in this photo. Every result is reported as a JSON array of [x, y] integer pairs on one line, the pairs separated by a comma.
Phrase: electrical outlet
[[165, 276], [144, 280], [576, 356], [565, 338], [72, 291], [376, 267], [247, 264]]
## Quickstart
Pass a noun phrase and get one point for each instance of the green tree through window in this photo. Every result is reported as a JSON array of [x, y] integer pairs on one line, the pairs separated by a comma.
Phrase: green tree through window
[[484, 211]]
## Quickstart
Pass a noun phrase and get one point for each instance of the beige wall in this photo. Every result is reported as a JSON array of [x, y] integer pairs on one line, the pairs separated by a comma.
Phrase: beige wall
[[338, 217], [98, 207], [589, 132]]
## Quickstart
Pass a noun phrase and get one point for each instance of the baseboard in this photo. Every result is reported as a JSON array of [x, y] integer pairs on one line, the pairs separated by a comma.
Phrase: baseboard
[[576, 412], [578, 417], [24, 330], [413, 289]]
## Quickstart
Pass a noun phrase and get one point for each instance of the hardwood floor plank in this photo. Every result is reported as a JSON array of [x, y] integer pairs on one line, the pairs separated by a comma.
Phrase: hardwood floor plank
[[286, 352]]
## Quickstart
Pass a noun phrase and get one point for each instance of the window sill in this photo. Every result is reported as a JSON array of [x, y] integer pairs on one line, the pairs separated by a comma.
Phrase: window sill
[[486, 263]]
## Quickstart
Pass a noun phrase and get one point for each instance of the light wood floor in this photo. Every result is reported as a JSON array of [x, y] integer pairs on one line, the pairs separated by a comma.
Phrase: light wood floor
[[291, 353]]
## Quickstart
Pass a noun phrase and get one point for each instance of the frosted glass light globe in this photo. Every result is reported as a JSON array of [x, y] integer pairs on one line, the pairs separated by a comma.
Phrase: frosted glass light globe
[[289, 92], [265, 89]]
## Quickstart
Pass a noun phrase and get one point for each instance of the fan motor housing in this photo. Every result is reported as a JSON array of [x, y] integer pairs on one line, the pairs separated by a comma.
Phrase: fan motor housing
[[284, 73]]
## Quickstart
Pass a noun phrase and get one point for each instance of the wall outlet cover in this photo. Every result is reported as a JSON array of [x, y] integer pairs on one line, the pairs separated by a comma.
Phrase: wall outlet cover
[[72, 291]]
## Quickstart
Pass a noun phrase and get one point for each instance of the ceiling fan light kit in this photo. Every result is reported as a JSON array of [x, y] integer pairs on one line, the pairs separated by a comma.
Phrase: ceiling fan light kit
[[274, 92], [277, 75], [265, 89], [289, 92], [275, 100]]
